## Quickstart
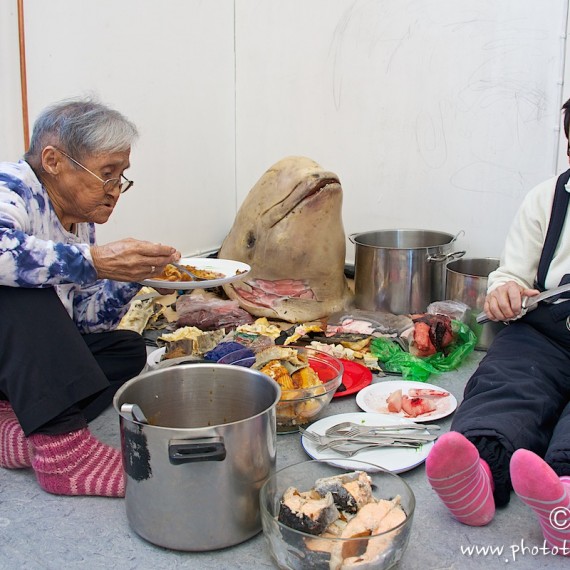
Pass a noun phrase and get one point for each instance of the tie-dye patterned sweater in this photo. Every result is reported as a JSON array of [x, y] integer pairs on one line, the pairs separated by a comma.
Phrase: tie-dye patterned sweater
[[37, 251]]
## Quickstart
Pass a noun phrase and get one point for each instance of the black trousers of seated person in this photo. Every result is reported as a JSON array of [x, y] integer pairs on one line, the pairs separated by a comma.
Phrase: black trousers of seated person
[[519, 396], [53, 375]]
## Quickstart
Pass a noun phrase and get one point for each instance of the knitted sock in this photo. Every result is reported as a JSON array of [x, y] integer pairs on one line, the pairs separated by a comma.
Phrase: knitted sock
[[14, 446], [547, 494], [462, 479], [76, 463]]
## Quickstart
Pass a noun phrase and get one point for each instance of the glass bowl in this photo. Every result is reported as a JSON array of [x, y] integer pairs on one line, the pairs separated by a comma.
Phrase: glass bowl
[[297, 550], [299, 408]]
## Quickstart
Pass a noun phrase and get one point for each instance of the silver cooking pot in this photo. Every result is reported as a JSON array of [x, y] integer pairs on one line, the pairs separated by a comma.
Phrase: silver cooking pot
[[401, 271], [467, 281], [198, 455]]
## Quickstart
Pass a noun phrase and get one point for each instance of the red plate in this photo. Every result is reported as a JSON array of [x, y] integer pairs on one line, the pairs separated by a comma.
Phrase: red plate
[[355, 377]]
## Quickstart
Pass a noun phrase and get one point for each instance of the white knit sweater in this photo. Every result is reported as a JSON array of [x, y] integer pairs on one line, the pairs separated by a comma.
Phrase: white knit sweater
[[523, 246]]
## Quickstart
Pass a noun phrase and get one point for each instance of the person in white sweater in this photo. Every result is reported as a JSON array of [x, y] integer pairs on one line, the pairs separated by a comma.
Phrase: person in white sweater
[[512, 430]]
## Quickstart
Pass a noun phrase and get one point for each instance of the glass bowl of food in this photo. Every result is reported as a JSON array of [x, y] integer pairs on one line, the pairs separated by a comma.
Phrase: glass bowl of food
[[308, 378], [315, 515]]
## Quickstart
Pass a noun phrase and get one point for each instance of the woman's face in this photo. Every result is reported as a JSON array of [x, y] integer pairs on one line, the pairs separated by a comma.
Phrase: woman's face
[[78, 195]]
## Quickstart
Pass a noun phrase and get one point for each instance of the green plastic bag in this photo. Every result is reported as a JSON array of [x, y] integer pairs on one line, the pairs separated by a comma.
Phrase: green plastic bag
[[417, 368]]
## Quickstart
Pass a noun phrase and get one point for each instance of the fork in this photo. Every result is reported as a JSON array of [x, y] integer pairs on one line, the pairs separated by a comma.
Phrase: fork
[[345, 428], [350, 452], [402, 440], [356, 433]]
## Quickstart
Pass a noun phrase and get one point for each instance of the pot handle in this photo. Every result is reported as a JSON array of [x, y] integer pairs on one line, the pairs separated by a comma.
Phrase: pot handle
[[446, 256], [193, 450], [457, 235]]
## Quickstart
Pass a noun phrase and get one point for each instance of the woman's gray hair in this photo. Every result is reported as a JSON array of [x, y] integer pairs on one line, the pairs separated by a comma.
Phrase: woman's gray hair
[[80, 128]]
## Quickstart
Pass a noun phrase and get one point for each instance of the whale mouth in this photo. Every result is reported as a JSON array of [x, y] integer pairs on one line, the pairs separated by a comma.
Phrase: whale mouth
[[301, 194]]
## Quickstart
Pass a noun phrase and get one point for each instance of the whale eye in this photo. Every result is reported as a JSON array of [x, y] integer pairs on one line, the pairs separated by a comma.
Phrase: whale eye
[[250, 240]]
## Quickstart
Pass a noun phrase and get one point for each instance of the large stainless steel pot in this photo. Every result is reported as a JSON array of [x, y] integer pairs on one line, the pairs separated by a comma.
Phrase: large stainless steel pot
[[467, 281], [194, 472], [401, 271]]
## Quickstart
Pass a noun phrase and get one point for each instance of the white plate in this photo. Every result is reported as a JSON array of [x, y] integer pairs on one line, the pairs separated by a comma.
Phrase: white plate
[[155, 357], [373, 399], [227, 267], [395, 459]]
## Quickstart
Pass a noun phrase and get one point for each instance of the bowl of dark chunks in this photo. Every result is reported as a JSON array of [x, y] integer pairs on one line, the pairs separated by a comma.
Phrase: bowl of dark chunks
[[317, 515]]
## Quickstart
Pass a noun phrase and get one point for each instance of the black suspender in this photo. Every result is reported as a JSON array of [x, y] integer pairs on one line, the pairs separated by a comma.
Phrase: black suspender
[[557, 217]]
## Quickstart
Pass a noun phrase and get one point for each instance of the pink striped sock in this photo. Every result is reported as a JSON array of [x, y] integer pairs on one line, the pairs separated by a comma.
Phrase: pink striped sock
[[547, 494], [77, 463], [14, 446], [462, 480]]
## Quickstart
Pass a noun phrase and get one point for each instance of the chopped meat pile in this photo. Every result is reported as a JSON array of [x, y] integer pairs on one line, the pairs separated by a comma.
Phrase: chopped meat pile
[[432, 333], [417, 402]]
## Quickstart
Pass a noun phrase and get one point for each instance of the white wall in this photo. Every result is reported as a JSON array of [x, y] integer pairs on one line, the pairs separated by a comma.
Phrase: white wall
[[436, 114]]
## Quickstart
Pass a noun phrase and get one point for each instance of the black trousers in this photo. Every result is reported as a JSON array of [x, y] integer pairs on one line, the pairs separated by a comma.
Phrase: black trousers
[[47, 367], [519, 396]]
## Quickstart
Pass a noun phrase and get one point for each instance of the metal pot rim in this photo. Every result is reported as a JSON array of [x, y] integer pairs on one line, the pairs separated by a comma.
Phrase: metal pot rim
[[193, 430], [354, 238]]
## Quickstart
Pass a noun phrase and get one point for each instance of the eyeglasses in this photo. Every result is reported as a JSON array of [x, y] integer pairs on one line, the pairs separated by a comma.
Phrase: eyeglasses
[[110, 183]]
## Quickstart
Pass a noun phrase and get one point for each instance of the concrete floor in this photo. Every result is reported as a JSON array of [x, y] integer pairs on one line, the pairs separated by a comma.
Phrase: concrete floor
[[42, 531]]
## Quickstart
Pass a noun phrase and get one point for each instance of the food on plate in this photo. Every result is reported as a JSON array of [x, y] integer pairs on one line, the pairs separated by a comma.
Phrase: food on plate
[[431, 334], [416, 402], [343, 506], [289, 230], [427, 393], [171, 273]]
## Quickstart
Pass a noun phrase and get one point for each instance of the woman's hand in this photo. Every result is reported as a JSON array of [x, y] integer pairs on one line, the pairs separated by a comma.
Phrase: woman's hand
[[505, 302], [131, 259]]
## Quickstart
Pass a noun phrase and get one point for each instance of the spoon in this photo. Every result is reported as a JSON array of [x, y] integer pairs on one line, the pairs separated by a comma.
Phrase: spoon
[[135, 413], [183, 269]]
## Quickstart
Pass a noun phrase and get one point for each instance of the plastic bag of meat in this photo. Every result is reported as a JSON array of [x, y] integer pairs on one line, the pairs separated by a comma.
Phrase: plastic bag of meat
[[394, 359], [207, 313]]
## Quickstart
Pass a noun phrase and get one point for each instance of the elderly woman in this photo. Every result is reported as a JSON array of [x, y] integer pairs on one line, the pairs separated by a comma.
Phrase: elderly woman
[[61, 297]]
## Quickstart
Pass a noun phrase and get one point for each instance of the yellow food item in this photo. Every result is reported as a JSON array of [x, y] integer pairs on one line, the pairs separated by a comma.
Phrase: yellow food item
[[171, 273], [300, 380]]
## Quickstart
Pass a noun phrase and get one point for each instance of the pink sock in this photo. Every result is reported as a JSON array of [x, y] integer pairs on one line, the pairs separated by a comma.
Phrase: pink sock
[[547, 494], [462, 479], [77, 464], [14, 446]]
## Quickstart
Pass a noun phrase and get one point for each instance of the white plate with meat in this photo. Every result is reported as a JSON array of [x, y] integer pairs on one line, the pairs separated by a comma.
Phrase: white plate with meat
[[215, 271], [395, 459], [417, 401]]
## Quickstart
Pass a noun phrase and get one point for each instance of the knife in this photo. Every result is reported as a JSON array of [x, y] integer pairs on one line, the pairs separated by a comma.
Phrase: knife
[[529, 303]]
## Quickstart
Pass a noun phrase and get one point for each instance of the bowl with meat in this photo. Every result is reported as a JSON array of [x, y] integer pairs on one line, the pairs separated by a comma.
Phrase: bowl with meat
[[308, 378], [315, 515]]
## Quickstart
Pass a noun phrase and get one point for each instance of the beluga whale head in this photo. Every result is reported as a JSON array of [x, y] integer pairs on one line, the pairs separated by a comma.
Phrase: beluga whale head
[[289, 230]]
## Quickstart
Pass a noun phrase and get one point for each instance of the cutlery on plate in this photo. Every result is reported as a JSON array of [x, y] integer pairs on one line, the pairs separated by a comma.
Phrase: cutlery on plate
[[391, 438], [349, 452], [345, 428]]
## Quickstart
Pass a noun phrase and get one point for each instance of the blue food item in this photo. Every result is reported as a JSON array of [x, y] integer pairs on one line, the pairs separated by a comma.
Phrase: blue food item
[[223, 349]]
